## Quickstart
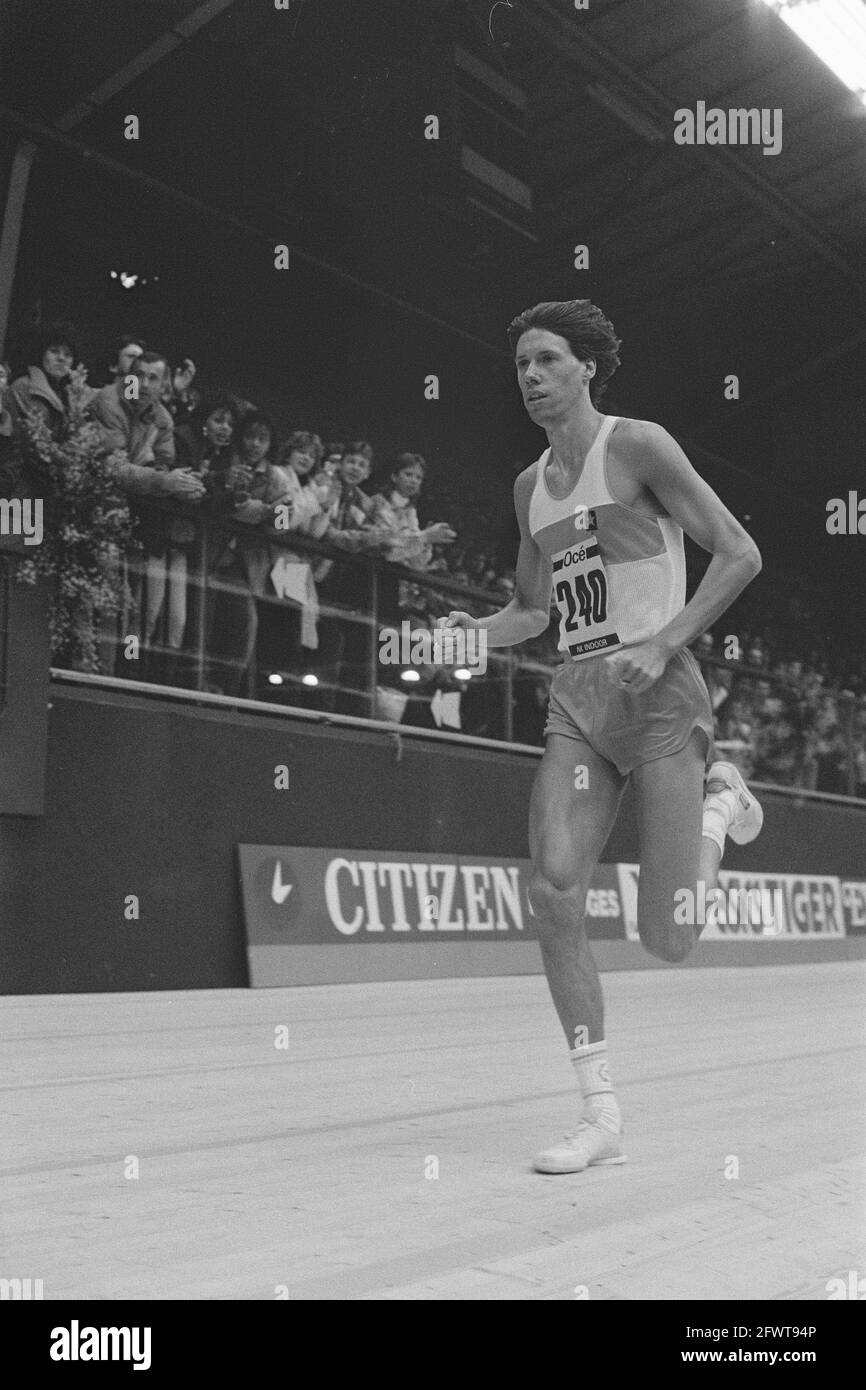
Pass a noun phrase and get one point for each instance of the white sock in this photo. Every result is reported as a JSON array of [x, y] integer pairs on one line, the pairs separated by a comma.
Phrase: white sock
[[593, 1076], [719, 810]]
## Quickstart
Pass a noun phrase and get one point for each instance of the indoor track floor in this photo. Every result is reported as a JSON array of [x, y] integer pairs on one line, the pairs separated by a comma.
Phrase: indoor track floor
[[374, 1141]]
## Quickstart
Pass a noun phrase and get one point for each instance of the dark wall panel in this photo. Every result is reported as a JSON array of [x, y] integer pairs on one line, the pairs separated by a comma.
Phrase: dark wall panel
[[151, 798]]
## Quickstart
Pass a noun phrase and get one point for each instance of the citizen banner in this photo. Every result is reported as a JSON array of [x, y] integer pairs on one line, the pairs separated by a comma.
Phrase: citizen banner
[[300, 895]]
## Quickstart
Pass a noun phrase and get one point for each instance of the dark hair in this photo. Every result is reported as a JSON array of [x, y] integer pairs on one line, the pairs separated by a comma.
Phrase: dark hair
[[218, 400], [303, 439], [148, 359], [125, 341], [60, 334], [360, 446], [336, 446], [250, 420], [408, 460], [586, 330]]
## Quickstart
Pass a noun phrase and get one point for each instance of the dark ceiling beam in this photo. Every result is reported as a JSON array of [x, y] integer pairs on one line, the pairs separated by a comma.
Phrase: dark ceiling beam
[[43, 134], [577, 43], [705, 32], [173, 38]]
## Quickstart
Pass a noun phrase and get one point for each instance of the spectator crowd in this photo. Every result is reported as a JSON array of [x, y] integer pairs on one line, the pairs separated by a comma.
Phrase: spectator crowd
[[232, 606]]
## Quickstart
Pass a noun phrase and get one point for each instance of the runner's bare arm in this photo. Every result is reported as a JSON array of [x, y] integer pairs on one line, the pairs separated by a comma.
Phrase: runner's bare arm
[[528, 613], [690, 501]]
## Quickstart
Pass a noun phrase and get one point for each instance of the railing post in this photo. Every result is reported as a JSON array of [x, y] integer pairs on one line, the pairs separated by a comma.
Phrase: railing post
[[373, 645], [509, 696], [201, 606]]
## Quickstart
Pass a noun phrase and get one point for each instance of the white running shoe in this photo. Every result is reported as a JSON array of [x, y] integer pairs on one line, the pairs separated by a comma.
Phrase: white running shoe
[[589, 1146], [748, 817]]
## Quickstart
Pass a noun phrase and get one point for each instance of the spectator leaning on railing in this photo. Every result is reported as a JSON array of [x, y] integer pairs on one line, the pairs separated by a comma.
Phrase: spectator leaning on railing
[[348, 509], [206, 445], [46, 391], [344, 587], [394, 512], [300, 457], [132, 419], [242, 567], [348, 506], [284, 629]]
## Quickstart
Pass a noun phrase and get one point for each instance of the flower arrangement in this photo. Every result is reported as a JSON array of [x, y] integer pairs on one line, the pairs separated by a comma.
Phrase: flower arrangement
[[87, 531]]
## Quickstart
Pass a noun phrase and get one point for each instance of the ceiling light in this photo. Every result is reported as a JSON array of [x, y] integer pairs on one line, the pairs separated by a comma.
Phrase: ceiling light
[[835, 30]]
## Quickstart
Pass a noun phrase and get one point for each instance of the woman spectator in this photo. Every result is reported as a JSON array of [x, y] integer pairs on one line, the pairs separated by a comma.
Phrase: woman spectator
[[310, 491], [394, 510], [405, 543], [208, 443], [206, 446], [242, 568], [48, 390], [345, 637], [285, 629]]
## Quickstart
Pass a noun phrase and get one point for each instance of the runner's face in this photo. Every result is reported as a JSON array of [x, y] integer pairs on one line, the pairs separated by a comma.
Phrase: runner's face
[[549, 375]]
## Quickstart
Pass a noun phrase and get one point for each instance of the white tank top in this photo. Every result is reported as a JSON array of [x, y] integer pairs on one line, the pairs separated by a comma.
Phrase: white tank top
[[618, 576]]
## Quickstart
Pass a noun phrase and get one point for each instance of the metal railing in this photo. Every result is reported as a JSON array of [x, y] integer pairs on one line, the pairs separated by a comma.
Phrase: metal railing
[[251, 612]]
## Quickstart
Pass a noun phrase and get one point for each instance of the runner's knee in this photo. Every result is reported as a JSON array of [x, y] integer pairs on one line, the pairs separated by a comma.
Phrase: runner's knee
[[558, 903], [671, 945]]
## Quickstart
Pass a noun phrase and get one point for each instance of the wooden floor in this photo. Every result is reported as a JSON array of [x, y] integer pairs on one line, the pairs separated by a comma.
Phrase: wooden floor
[[308, 1171]]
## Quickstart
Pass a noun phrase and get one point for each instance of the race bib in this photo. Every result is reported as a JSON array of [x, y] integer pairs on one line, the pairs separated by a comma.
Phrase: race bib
[[580, 588]]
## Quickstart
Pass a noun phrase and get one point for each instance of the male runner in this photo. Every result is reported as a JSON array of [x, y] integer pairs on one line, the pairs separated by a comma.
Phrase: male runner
[[602, 514]]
